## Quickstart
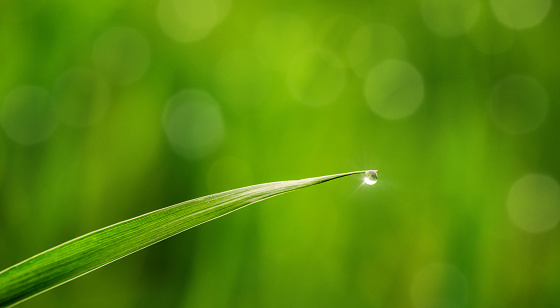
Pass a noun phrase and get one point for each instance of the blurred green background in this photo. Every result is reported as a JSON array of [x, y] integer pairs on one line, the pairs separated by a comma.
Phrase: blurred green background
[[110, 109]]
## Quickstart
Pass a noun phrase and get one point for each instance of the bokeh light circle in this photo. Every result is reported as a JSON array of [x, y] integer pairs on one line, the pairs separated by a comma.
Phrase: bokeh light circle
[[191, 20], [394, 89], [439, 285], [448, 18], [193, 123], [122, 55], [518, 104], [520, 14], [316, 77], [81, 96], [28, 115], [533, 203]]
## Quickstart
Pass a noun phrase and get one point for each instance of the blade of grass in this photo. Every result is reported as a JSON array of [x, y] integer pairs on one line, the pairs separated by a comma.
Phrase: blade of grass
[[86, 253]]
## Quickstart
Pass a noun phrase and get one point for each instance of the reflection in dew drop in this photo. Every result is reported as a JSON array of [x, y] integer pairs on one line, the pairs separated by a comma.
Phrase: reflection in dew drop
[[372, 44], [439, 286], [488, 35], [518, 104], [534, 203], [122, 55], [520, 14], [191, 20], [193, 123], [370, 177], [394, 89], [28, 115], [316, 77], [228, 173], [291, 34], [449, 18], [81, 97]]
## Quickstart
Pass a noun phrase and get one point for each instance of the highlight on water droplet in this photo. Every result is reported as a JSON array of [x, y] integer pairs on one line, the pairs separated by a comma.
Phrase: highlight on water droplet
[[370, 177]]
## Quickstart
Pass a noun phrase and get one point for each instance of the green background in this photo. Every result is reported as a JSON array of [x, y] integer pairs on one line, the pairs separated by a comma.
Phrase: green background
[[110, 109]]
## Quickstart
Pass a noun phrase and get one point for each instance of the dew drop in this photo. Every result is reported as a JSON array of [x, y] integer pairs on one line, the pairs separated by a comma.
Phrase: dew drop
[[370, 177]]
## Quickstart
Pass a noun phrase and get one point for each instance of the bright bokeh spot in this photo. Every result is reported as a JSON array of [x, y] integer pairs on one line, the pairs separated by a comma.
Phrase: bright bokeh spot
[[122, 55], [534, 203], [81, 97], [450, 18], [279, 37], [518, 104], [394, 89], [439, 285], [191, 20], [521, 14], [372, 44], [193, 123], [316, 77], [28, 115]]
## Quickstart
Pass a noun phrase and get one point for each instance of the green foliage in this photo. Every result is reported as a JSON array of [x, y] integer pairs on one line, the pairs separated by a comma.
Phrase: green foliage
[[93, 250], [112, 109]]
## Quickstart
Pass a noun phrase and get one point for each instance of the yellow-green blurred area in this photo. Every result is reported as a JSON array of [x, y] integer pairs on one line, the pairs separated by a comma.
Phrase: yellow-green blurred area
[[111, 109]]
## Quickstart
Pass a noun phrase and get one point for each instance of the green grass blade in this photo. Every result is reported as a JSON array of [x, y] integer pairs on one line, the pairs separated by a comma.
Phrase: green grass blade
[[86, 253]]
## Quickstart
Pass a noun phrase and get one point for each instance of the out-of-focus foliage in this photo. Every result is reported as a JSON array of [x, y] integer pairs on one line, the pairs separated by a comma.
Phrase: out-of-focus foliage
[[110, 109]]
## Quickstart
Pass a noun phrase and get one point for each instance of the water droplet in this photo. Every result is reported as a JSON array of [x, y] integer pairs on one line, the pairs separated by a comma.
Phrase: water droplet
[[370, 177]]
